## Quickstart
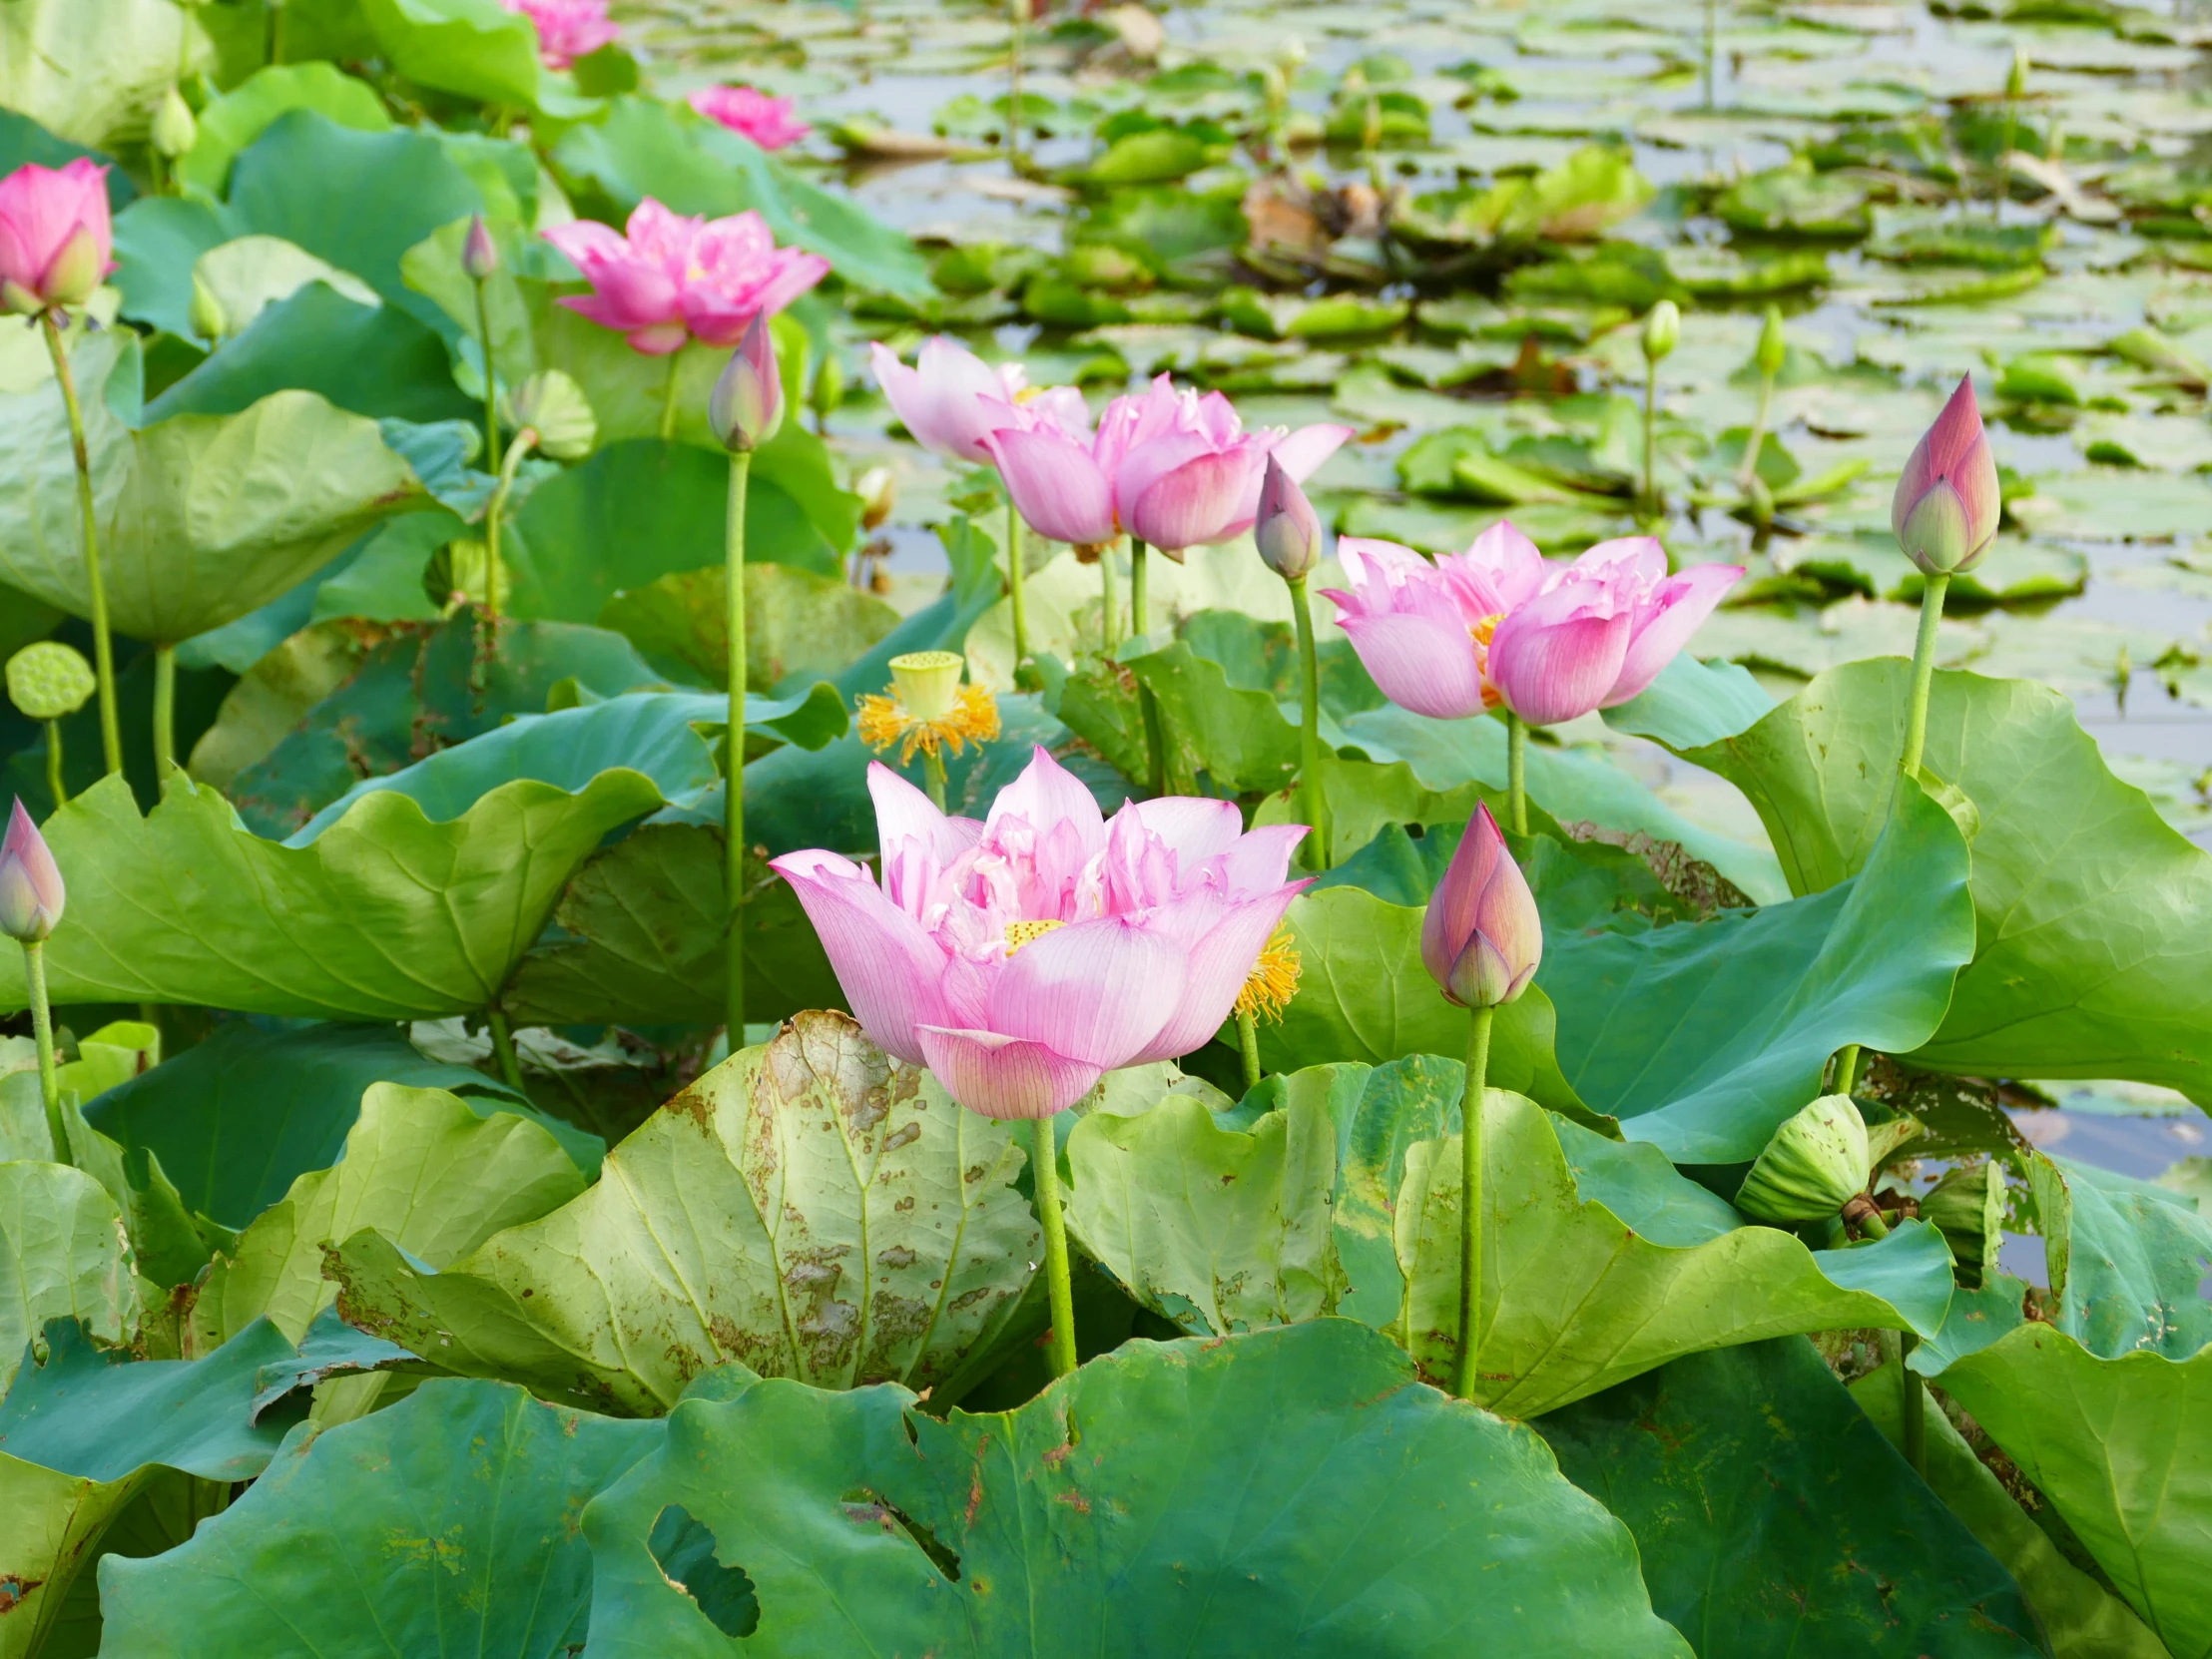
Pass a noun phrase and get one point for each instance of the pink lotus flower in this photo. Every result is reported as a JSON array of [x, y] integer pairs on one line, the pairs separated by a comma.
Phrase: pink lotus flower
[[770, 123], [1947, 501], [1023, 957], [1481, 938], [31, 891], [672, 278], [1500, 623], [951, 398], [567, 29], [56, 241], [1170, 468]]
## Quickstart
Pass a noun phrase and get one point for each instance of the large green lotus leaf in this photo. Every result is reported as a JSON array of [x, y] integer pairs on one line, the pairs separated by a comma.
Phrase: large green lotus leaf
[[641, 940], [2080, 1618], [442, 1526], [1287, 1493], [2094, 956], [2122, 1449], [2125, 1259], [1774, 1521], [157, 240], [63, 1255], [202, 518], [232, 122], [1702, 1038], [809, 1208], [85, 1433], [1237, 737], [89, 70], [798, 623], [386, 917], [475, 48], [1601, 1261], [1693, 702], [422, 1168], [235, 1120]]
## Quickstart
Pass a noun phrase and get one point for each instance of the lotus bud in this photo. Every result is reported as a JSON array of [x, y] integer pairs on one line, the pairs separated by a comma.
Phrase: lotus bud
[[748, 404], [1815, 1164], [31, 891], [174, 128], [50, 680], [480, 253], [1287, 531], [1947, 503], [1662, 330], [1967, 1207], [1481, 939], [928, 683], [879, 493], [1772, 346], [206, 316], [555, 407], [829, 387], [2015, 82], [75, 274]]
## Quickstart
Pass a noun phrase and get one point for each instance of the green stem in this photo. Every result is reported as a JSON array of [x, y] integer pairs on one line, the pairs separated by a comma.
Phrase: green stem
[[165, 712], [103, 645], [1044, 1157], [1923, 674], [504, 1048], [1651, 428], [1710, 39], [492, 387], [1018, 17], [1110, 615], [1470, 1201], [733, 788], [1847, 1067], [668, 397], [42, 1026], [1873, 1226], [1915, 1405], [1516, 773], [54, 783], [932, 773], [1308, 725], [1758, 434], [1248, 1045], [2005, 175], [1014, 575], [495, 516], [1140, 589], [277, 32], [1140, 622]]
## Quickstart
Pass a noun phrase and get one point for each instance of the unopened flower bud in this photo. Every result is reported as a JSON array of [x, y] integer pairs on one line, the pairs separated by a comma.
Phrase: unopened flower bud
[[554, 406], [1773, 347], [480, 253], [1813, 1166], [49, 680], [829, 387], [1662, 330], [31, 892], [1287, 530], [927, 682], [1483, 939], [748, 404], [1947, 501], [2015, 81], [879, 493], [174, 128], [207, 315]]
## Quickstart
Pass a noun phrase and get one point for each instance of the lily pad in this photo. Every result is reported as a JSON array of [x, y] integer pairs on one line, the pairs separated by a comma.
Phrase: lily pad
[[64, 1258]]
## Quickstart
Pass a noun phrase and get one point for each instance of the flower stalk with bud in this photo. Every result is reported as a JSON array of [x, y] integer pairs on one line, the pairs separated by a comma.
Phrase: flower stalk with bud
[[479, 262], [553, 417], [1772, 348], [1287, 534], [1945, 514], [31, 900], [1662, 330]]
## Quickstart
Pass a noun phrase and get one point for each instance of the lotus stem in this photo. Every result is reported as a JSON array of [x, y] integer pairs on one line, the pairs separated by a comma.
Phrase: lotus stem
[[932, 771], [1923, 674], [1914, 1402], [2003, 187], [1712, 41], [276, 32], [733, 783], [1014, 577], [492, 387], [1470, 1200], [1017, 16], [103, 645], [54, 784], [1140, 622], [1651, 438], [1517, 772], [42, 1026], [668, 397], [495, 515], [1248, 1045], [1309, 724], [1110, 615], [165, 713], [503, 1047], [1758, 434], [1847, 1068], [1044, 1155]]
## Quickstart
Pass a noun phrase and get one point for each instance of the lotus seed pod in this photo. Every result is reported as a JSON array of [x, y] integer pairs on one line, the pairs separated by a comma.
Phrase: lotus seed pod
[[50, 680], [1815, 1164], [1662, 330], [879, 493], [1773, 347], [174, 128], [927, 682], [555, 407], [1967, 1207]]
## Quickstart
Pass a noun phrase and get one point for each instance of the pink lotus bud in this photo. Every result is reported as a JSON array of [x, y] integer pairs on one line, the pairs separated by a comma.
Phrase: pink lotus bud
[[1481, 938], [480, 253], [31, 891], [1946, 506], [1286, 530], [55, 234], [748, 404]]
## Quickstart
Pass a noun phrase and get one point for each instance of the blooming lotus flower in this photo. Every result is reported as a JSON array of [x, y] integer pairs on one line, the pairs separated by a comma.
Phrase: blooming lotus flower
[[1501, 624], [770, 123], [56, 239], [1023, 957], [1947, 501], [1481, 938], [1170, 468], [670, 278], [31, 891], [567, 29], [951, 398]]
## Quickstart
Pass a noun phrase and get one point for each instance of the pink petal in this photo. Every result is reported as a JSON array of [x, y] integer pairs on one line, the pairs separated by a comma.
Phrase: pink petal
[[1371, 563], [1662, 626], [903, 812], [1047, 793], [1095, 991], [1004, 1077], [1193, 829], [1216, 969], [1419, 662], [1303, 452], [1057, 487], [1198, 503], [1261, 859], [1551, 671], [1144, 465], [887, 966], [938, 401]]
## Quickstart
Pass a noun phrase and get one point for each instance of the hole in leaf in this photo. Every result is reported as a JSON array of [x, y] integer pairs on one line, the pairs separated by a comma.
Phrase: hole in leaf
[[864, 1505], [685, 1551]]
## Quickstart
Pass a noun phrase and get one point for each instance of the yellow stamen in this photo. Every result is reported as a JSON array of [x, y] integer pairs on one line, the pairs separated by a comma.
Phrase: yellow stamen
[[1267, 990], [1482, 632], [1019, 934], [885, 720]]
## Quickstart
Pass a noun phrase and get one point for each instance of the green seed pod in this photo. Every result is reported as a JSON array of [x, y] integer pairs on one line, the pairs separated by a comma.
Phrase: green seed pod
[[1772, 346], [1662, 330], [1815, 1164], [50, 680], [1967, 1207], [555, 407]]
